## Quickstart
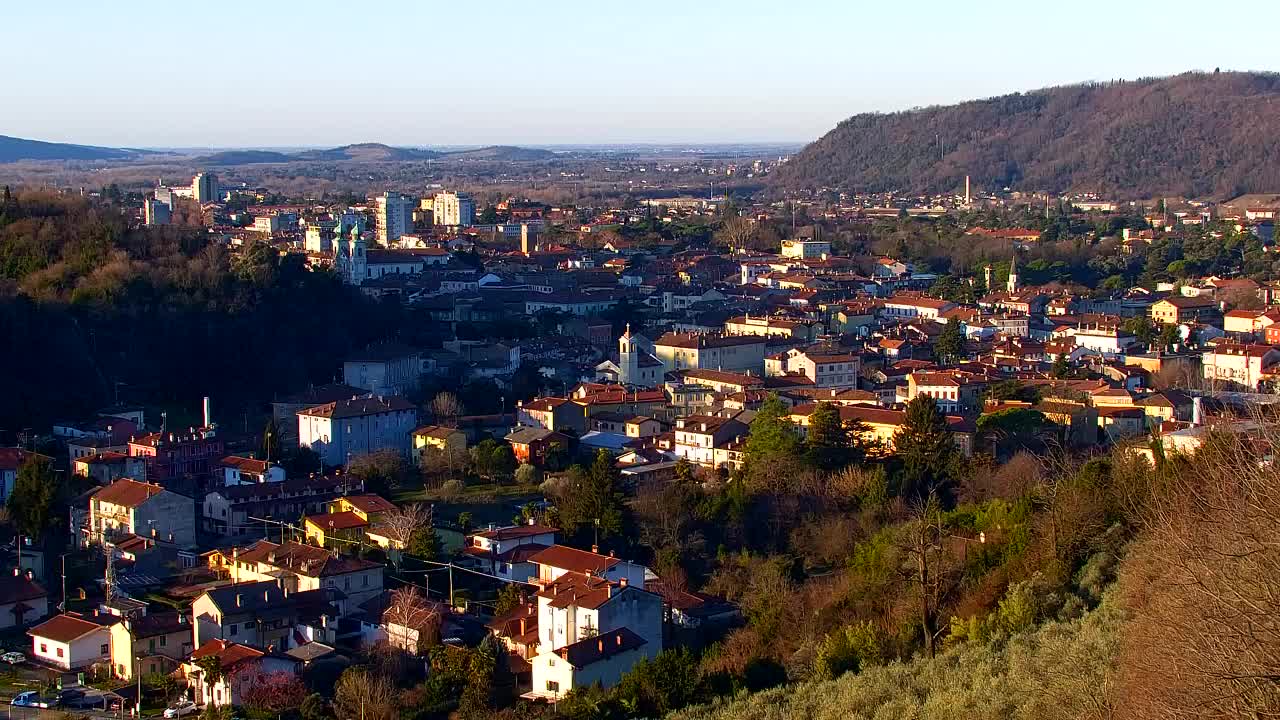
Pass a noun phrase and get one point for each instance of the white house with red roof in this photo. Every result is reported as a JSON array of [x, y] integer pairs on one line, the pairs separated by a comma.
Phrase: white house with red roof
[[508, 551]]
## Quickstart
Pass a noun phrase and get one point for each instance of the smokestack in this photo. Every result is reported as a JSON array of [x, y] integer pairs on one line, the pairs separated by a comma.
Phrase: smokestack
[[208, 412], [966, 189], [1197, 411]]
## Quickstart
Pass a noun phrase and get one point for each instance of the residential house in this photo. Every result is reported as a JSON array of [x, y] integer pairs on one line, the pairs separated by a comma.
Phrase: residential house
[[552, 413], [129, 507], [531, 445], [955, 391], [685, 351], [697, 437], [22, 600], [826, 369], [238, 470], [230, 510], [172, 455], [387, 369], [772, 326], [1177, 310], [439, 438], [262, 614], [240, 667], [910, 306], [878, 426], [107, 466], [301, 568], [341, 430], [73, 641], [155, 643], [348, 518], [1243, 365], [506, 551], [285, 411]]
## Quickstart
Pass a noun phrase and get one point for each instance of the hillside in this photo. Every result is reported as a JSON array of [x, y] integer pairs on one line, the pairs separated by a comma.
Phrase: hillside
[[1192, 134], [502, 153], [13, 149], [244, 157], [368, 152]]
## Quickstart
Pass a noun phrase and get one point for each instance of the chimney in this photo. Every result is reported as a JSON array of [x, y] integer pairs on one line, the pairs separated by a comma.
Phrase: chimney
[[600, 644], [623, 582], [239, 600], [618, 638], [208, 412], [1197, 411], [523, 626], [595, 549]]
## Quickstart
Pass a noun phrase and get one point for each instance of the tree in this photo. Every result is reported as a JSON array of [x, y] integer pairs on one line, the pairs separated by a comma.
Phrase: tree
[[528, 474], [381, 470], [848, 649], [950, 343], [591, 498], [493, 460], [412, 623], [314, 707], [927, 450], [446, 409], [1061, 368], [424, 543], [1170, 336], [271, 441], [829, 443], [773, 443], [35, 490], [1142, 328], [362, 694], [400, 524], [274, 693], [509, 599], [663, 684]]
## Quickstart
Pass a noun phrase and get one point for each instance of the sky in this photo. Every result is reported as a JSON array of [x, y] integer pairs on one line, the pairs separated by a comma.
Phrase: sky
[[275, 73]]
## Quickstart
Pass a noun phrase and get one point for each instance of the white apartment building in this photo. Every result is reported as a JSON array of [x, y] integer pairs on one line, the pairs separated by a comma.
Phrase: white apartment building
[[156, 212], [339, 431], [453, 208], [828, 370], [395, 216], [1240, 364], [806, 249]]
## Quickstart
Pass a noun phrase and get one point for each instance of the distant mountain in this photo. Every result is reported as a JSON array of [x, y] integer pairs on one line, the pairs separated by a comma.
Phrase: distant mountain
[[502, 153], [244, 157], [1193, 134], [367, 152], [13, 149]]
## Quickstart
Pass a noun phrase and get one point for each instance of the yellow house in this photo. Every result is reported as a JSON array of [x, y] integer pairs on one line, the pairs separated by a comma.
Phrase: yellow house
[[348, 519], [440, 438], [157, 643]]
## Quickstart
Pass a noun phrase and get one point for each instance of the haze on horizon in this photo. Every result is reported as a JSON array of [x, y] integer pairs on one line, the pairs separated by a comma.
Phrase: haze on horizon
[[240, 74]]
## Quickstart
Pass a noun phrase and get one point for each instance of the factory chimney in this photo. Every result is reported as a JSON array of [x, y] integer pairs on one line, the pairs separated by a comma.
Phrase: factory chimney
[[208, 412]]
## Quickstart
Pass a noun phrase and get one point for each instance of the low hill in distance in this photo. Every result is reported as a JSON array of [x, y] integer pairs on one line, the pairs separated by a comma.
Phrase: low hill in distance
[[1193, 134], [502, 153], [367, 152], [14, 149], [244, 157]]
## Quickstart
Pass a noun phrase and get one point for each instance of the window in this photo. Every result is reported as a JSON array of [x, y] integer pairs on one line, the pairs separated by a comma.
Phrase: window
[[59, 652], [44, 649], [251, 625], [151, 645], [162, 639], [233, 628], [365, 581]]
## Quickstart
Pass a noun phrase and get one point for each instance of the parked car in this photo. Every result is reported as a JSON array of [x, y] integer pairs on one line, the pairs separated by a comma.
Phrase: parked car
[[30, 698], [178, 709], [13, 658]]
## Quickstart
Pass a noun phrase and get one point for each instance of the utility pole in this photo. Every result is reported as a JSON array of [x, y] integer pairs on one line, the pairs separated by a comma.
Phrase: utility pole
[[63, 606]]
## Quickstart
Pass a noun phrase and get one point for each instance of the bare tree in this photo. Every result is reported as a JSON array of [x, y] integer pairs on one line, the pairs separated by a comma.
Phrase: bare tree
[[446, 409], [412, 622], [400, 524], [739, 233], [362, 695]]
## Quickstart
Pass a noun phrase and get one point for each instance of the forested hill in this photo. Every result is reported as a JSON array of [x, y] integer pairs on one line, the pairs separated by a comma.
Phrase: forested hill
[[1193, 134]]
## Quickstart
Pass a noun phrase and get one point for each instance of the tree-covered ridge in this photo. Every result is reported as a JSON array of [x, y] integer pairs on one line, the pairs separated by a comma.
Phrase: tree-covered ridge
[[90, 302], [1190, 135]]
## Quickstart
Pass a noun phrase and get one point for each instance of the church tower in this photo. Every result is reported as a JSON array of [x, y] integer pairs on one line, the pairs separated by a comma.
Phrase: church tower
[[1013, 274], [359, 263], [628, 358]]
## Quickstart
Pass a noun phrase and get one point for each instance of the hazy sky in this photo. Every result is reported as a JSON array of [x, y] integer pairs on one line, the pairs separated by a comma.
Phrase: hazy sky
[[274, 72]]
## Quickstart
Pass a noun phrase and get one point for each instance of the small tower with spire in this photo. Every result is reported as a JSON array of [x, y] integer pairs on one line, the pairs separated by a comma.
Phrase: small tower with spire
[[628, 358], [1013, 274]]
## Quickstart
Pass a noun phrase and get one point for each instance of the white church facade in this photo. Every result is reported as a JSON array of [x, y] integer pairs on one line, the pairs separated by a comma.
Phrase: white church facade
[[636, 363]]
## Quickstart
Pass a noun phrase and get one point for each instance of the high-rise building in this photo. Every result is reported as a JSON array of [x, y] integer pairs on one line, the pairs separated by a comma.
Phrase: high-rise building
[[395, 216], [204, 187], [454, 208], [156, 212]]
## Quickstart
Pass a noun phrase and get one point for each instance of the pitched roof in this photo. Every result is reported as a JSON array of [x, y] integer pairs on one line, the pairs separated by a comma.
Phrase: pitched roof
[[515, 532], [370, 503], [338, 521], [567, 558], [127, 493], [358, 407], [20, 588], [67, 627], [229, 654], [13, 458], [600, 647], [244, 464], [303, 559]]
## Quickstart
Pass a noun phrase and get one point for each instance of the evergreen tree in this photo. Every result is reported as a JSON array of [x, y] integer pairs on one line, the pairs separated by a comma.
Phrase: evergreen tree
[[950, 344], [927, 450], [1061, 368], [772, 434], [829, 444], [35, 489], [593, 498]]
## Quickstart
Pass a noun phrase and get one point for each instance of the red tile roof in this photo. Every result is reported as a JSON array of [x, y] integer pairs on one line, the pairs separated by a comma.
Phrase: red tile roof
[[127, 493], [68, 627], [229, 654], [567, 558]]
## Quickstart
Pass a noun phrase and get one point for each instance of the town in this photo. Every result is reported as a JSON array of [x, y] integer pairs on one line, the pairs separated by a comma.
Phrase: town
[[538, 485]]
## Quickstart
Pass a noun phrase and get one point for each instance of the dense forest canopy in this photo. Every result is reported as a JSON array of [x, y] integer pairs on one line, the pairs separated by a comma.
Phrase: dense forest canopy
[[94, 307], [1189, 135]]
